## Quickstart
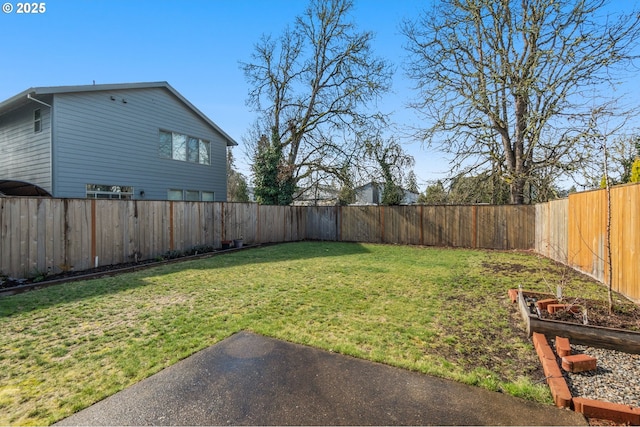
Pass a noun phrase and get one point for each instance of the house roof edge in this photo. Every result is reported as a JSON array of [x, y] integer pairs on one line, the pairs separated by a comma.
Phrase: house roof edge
[[51, 90]]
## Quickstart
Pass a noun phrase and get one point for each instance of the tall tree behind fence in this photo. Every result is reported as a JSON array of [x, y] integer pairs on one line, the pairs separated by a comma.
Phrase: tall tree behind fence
[[51, 235], [574, 232]]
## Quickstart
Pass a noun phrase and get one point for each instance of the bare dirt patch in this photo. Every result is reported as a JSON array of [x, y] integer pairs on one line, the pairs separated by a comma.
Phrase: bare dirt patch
[[625, 315]]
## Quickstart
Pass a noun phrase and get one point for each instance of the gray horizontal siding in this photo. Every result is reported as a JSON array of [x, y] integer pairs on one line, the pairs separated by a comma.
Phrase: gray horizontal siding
[[24, 154], [100, 141]]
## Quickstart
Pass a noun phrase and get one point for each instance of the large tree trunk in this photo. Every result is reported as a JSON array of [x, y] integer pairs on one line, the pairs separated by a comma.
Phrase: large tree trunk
[[517, 191], [519, 172]]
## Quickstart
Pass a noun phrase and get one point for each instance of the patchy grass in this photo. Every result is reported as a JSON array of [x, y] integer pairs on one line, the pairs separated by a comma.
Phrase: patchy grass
[[438, 311]]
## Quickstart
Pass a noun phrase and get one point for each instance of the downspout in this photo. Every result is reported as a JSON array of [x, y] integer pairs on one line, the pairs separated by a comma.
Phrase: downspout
[[50, 137]]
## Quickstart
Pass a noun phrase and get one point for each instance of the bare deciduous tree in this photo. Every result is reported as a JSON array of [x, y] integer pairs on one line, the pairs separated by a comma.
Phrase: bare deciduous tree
[[312, 86], [502, 81]]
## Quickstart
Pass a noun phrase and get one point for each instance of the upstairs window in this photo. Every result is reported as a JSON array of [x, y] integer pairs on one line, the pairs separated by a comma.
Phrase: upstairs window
[[205, 152], [166, 149], [193, 147], [176, 146], [37, 121]]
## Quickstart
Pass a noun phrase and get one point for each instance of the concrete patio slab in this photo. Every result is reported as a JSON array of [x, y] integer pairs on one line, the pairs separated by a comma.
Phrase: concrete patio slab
[[249, 379]]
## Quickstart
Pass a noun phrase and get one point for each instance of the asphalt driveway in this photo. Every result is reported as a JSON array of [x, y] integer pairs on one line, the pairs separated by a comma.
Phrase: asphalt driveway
[[249, 379]]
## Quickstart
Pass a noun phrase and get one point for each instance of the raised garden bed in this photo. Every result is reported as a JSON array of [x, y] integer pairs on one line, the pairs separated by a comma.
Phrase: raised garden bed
[[567, 323]]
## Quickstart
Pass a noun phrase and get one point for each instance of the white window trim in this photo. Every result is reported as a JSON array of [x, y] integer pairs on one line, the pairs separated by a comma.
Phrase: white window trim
[[202, 144]]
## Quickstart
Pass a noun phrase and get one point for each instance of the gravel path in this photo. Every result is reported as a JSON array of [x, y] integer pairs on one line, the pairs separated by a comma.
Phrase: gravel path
[[616, 379]]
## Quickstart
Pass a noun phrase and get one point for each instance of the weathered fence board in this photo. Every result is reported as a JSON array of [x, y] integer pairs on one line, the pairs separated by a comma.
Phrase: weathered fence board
[[78, 234], [433, 226], [504, 227], [269, 230], [155, 235], [322, 223], [279, 224], [294, 223], [55, 252], [491, 227], [240, 221], [448, 226], [11, 239], [361, 224], [401, 224], [552, 232]]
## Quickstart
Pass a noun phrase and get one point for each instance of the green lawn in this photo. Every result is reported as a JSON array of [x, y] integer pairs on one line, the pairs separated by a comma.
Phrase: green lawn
[[438, 311]]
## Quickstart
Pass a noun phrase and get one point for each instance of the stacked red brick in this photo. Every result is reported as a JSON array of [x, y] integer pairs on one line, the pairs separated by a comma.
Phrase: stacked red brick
[[574, 363]]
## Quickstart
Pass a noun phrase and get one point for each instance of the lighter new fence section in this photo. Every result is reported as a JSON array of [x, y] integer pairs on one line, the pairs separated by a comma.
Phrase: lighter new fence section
[[574, 232]]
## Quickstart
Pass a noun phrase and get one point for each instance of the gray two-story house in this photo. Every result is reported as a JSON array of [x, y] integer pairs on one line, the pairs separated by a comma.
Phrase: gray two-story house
[[125, 141]]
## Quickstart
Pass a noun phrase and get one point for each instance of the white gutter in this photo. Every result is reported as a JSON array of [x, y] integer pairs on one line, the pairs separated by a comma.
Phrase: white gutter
[[38, 101]]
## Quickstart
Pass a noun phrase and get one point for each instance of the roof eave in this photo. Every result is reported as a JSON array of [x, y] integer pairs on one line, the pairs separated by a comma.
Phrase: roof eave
[[21, 98]]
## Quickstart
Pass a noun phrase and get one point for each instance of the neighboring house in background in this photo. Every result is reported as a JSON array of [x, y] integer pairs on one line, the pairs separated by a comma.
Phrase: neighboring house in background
[[118, 141], [368, 194], [318, 195], [251, 193], [409, 197], [371, 193]]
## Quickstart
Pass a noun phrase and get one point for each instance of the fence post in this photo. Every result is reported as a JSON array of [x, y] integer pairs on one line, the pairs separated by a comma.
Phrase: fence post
[[339, 228], [474, 213], [421, 225], [93, 232], [171, 230], [381, 209], [258, 236]]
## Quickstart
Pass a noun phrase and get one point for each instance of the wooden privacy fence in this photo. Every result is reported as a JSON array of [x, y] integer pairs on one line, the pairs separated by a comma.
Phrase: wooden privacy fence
[[477, 226], [574, 231], [551, 229], [51, 235]]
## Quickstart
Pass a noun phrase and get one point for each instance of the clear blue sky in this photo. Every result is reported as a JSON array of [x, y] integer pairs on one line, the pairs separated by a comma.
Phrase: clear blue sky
[[194, 45]]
